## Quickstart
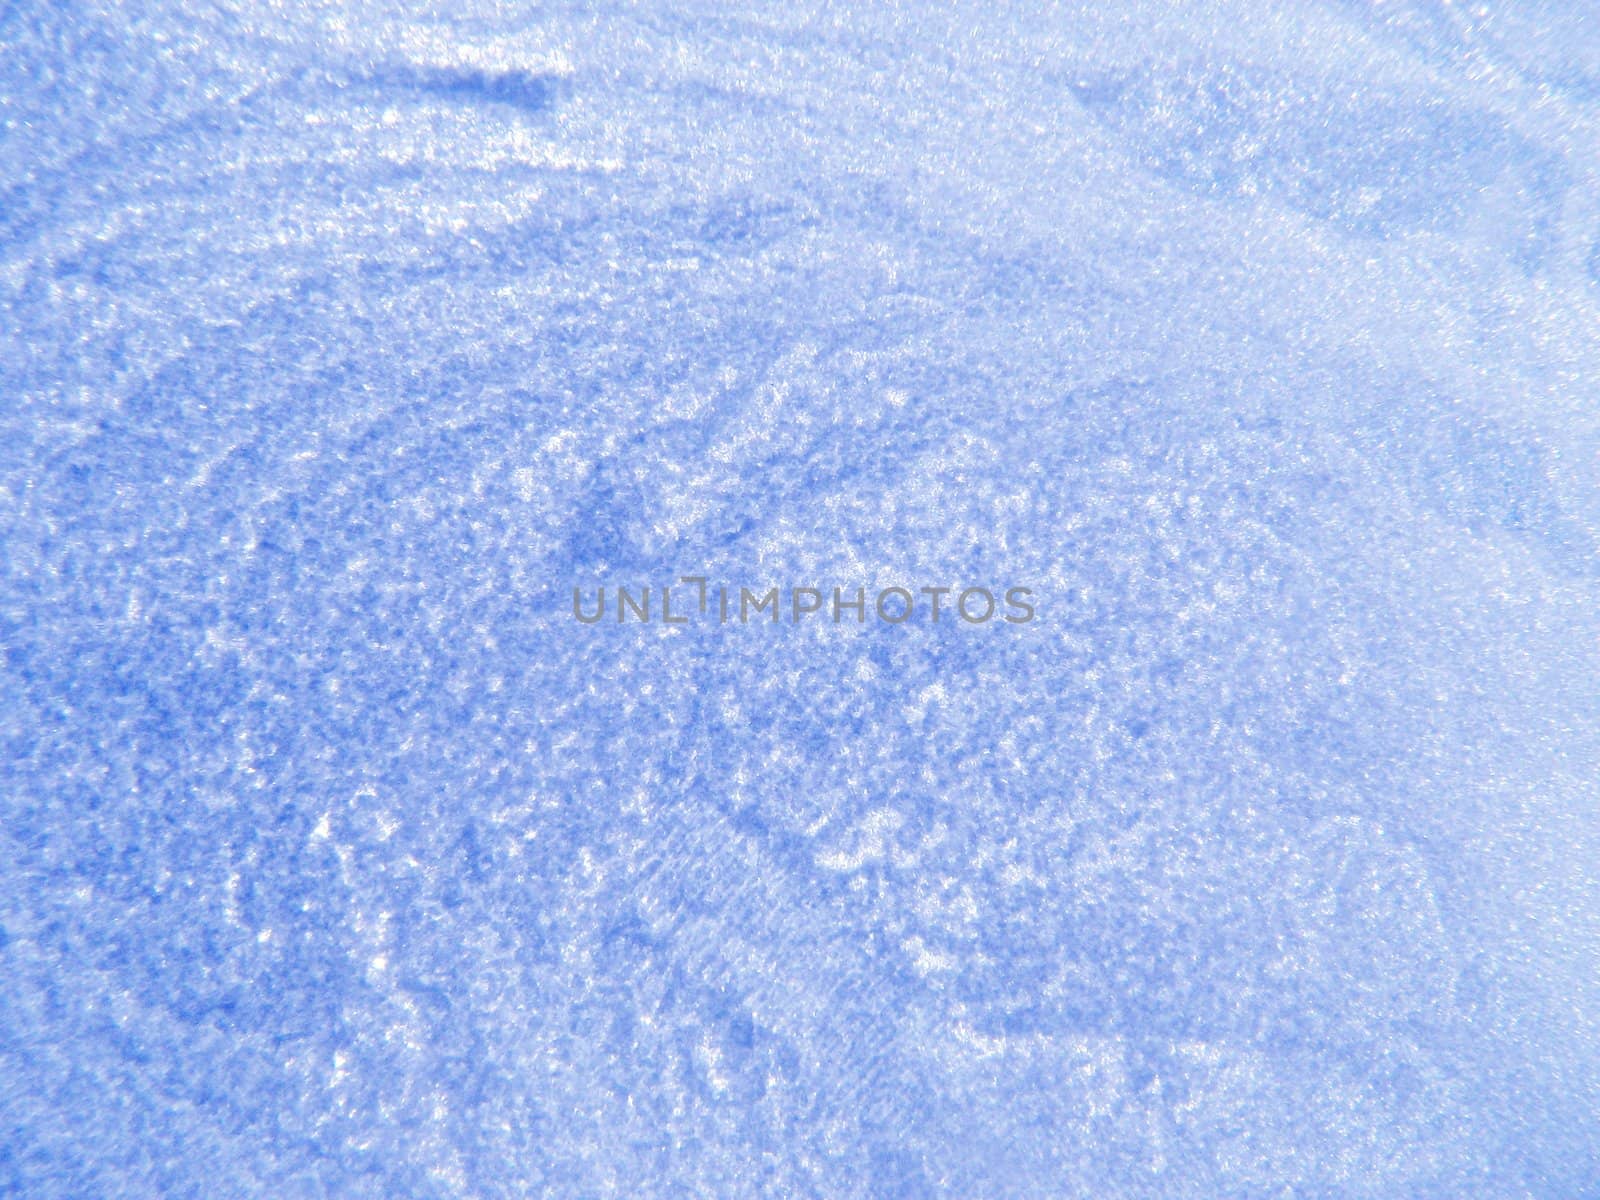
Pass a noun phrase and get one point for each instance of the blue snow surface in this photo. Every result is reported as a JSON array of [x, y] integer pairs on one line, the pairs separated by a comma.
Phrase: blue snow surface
[[341, 342]]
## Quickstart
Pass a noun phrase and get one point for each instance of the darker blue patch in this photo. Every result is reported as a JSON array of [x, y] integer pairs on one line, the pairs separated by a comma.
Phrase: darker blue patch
[[523, 90]]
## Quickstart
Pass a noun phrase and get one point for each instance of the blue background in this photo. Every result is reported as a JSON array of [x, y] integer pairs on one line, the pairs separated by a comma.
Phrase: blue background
[[339, 342]]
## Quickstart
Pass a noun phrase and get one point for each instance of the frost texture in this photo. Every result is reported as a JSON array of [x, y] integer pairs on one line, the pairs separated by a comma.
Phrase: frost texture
[[340, 342]]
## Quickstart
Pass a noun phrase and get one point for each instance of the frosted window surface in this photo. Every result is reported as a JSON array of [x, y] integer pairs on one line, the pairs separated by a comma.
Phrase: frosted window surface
[[340, 342]]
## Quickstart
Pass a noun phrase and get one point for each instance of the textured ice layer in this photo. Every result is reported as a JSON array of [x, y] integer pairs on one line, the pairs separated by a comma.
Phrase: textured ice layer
[[339, 343]]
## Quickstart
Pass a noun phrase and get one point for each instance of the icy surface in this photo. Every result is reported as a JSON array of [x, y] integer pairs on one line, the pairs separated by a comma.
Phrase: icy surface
[[339, 342]]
